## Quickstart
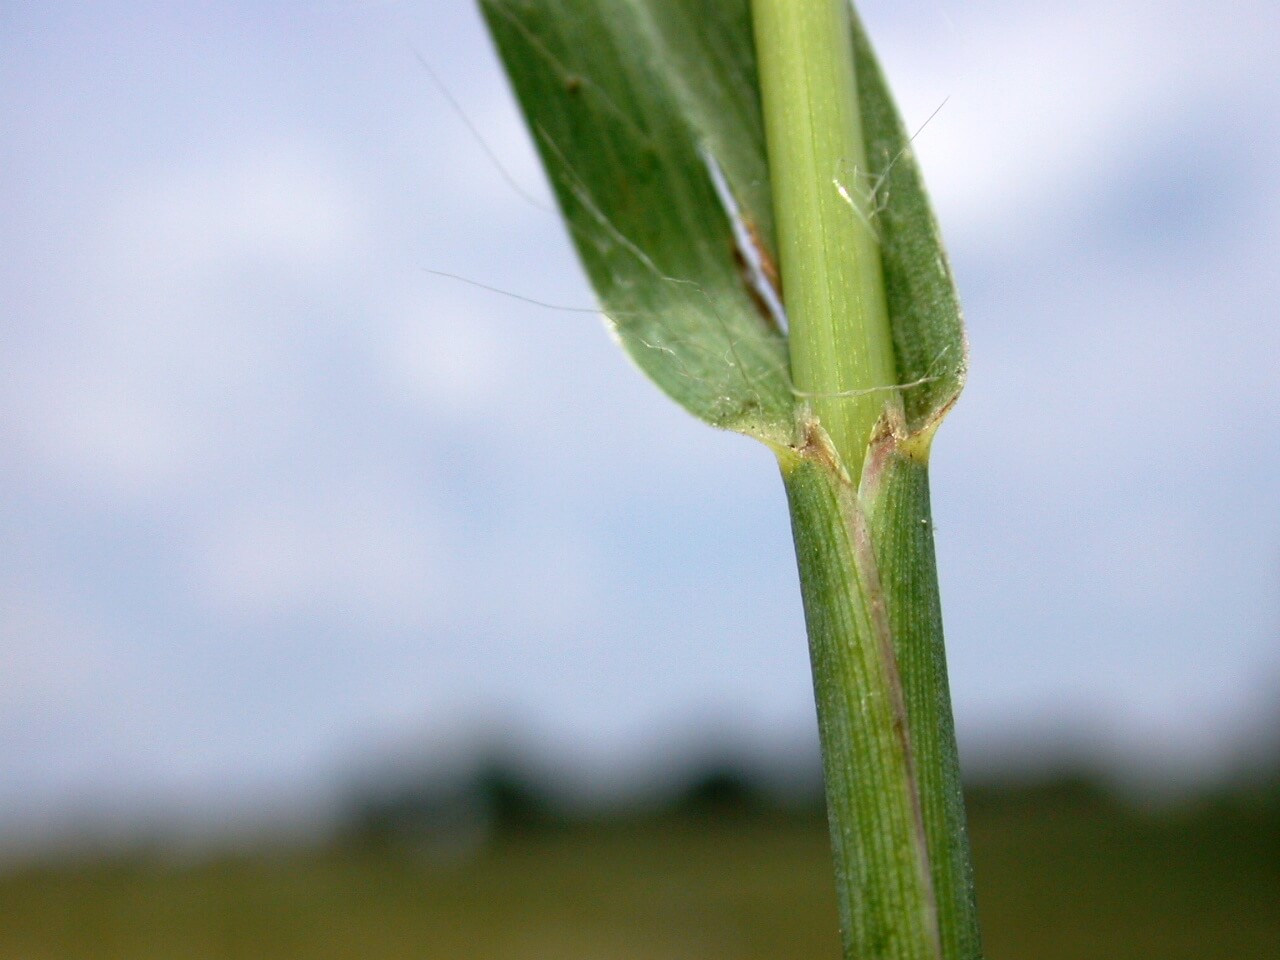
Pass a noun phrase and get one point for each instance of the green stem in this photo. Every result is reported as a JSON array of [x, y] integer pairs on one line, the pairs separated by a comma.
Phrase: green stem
[[857, 484], [884, 885], [903, 872], [842, 355]]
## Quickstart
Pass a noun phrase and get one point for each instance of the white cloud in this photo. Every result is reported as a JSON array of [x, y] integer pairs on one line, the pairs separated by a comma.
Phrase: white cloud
[[446, 359], [362, 556], [540, 585], [52, 657], [177, 317], [280, 205], [1041, 100]]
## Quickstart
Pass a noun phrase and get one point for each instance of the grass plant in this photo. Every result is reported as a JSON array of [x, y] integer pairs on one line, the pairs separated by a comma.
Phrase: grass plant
[[713, 159]]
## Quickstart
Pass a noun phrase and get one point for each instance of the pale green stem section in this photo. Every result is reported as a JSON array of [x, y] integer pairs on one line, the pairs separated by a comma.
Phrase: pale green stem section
[[842, 357]]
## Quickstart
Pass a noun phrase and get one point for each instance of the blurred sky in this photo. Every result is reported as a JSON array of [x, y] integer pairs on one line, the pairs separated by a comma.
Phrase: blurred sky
[[276, 499]]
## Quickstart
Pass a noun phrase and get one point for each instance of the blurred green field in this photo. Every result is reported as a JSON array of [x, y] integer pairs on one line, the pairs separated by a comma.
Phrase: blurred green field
[[1062, 873]]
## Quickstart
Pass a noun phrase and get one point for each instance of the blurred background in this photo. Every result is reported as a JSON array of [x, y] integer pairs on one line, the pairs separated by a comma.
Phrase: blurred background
[[349, 609]]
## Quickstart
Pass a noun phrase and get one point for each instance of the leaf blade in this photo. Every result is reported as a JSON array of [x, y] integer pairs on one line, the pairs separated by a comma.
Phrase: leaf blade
[[626, 103]]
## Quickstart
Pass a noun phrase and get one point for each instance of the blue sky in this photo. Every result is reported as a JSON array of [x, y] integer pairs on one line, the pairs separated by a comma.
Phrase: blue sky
[[277, 499]]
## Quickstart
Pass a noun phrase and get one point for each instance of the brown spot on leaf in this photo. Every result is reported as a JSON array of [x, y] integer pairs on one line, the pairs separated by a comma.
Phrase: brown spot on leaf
[[753, 289], [767, 264]]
